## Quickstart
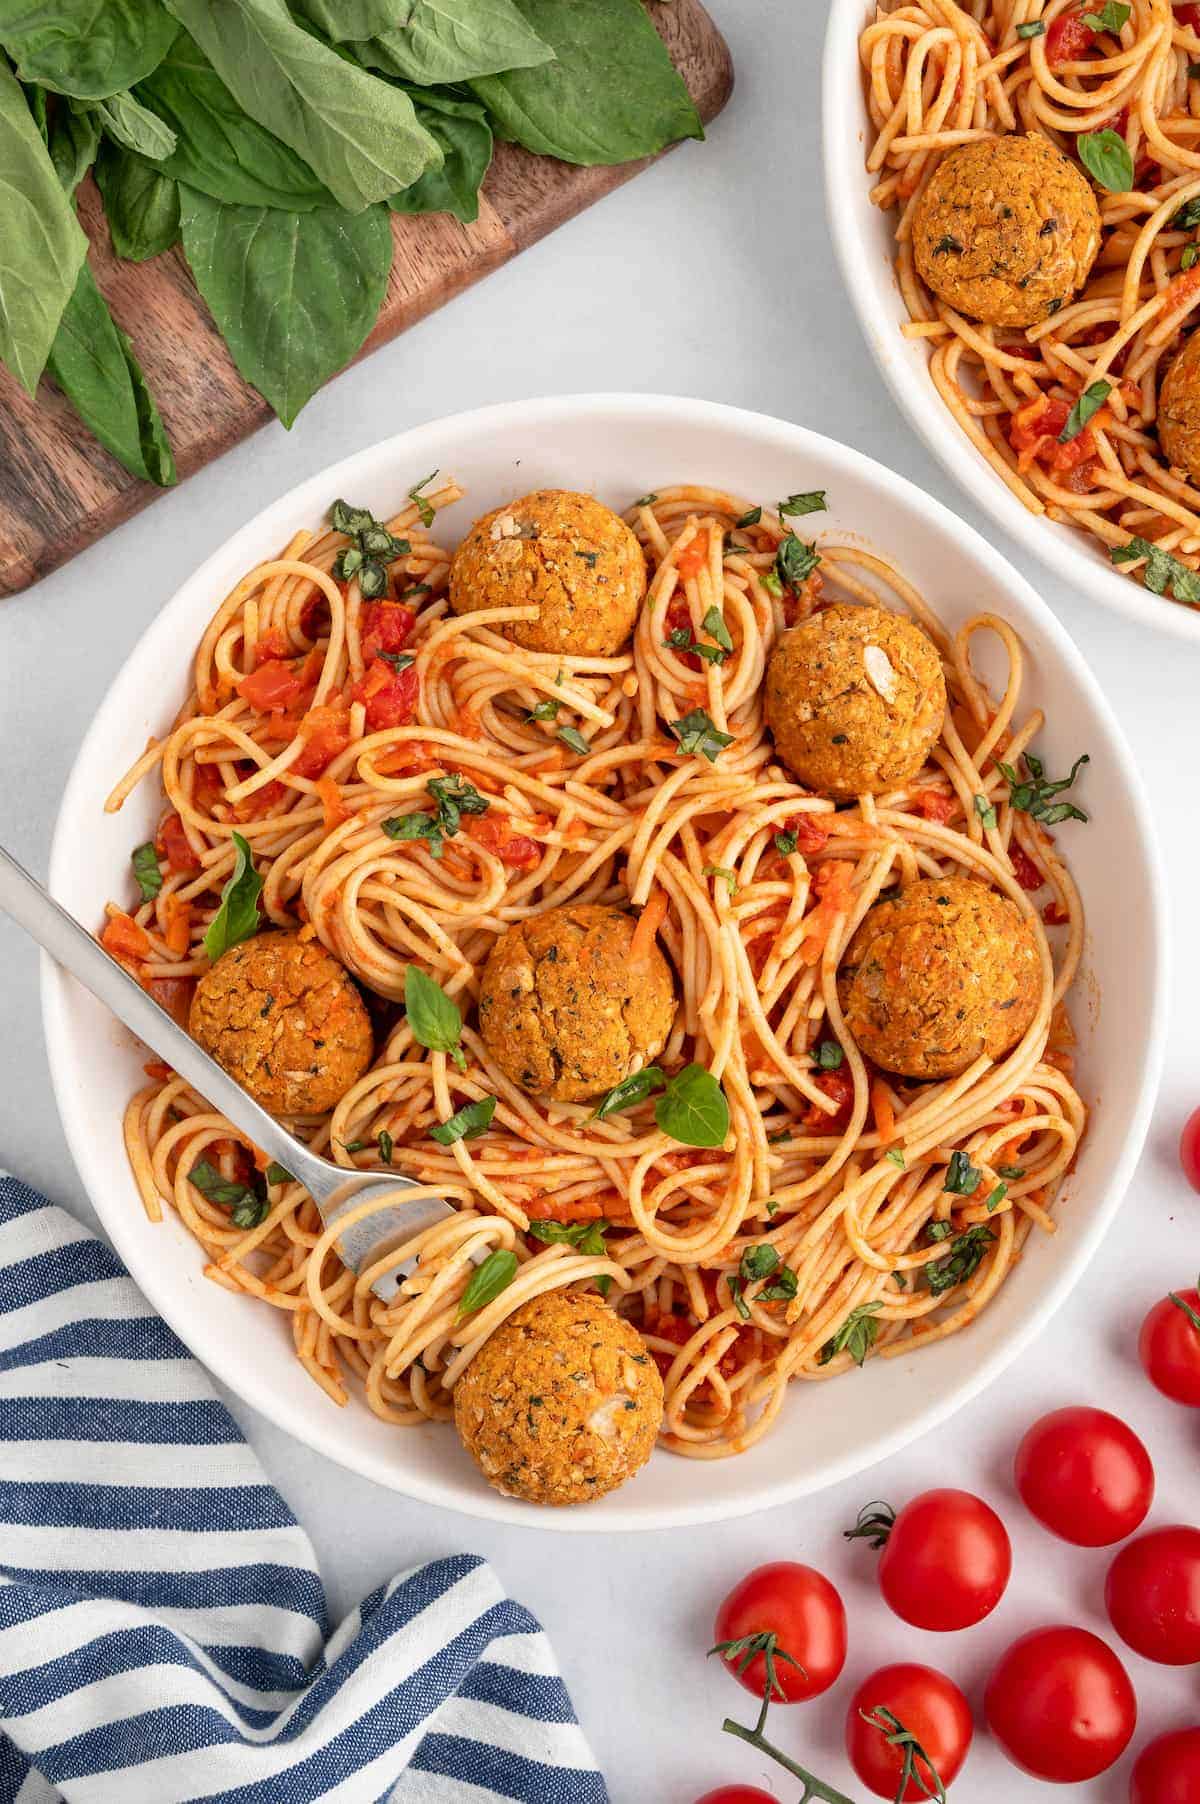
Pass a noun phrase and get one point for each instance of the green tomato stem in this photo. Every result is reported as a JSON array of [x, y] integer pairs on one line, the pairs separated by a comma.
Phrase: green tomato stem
[[813, 1787]]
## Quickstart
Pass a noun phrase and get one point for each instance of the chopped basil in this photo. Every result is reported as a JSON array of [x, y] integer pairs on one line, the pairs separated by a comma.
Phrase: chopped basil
[[751, 517], [786, 842], [1193, 70], [811, 503], [1089, 403], [584, 1236], [985, 811], [399, 660], [856, 1336], [589, 558], [945, 245], [1162, 571], [425, 508], [467, 1123], [783, 1285], [693, 1109], [646, 500], [247, 1206], [739, 1301], [714, 625], [828, 1055], [279, 1174], [547, 710], [488, 1280], [432, 1015], [1011, 1171], [696, 733], [1111, 17], [1032, 797], [147, 870], [962, 1261], [454, 797], [795, 561], [758, 1262], [1107, 159], [415, 826], [1035, 29], [373, 549], [572, 737], [896, 1157], [728, 877], [962, 1178], [1191, 253], [237, 917], [386, 1143], [996, 1197], [631, 1090], [1189, 214], [939, 1230]]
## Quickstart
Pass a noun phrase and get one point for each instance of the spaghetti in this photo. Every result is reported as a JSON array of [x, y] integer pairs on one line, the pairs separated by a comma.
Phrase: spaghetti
[[825, 1227], [941, 74]]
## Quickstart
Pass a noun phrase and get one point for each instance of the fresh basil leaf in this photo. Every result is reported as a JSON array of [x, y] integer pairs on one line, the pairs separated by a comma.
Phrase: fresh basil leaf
[[147, 870], [758, 1262], [751, 517], [985, 811], [714, 625], [612, 92], [585, 1236], [1032, 797], [87, 48], [358, 134], [856, 1336], [1162, 572], [1036, 28], [461, 131], [1011, 1171], [426, 512], [1111, 16], [429, 41], [278, 1174], [786, 842], [73, 139], [795, 561], [135, 126], [962, 1178], [342, 20], [141, 204], [1107, 159], [488, 1280], [961, 1262], [692, 1109], [631, 1090], [728, 877], [896, 1157], [547, 710], [247, 1206], [237, 918], [416, 826], [571, 736], [293, 295], [828, 1055], [387, 1146], [1086, 407], [467, 1123], [433, 1016], [696, 733], [737, 1293], [812, 502], [455, 797], [93, 364], [782, 1288], [1189, 256], [42, 245], [996, 1197]]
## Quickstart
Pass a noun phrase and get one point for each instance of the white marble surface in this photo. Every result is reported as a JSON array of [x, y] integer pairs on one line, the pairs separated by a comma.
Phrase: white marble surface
[[711, 275]]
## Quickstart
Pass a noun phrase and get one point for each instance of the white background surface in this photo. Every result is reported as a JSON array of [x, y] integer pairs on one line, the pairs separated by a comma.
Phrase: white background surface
[[710, 275]]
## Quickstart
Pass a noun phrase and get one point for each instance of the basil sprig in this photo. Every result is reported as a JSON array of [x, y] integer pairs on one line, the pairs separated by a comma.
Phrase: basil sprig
[[147, 870], [629, 1092], [372, 549], [237, 918], [1107, 159], [454, 797], [488, 1280], [962, 1261], [424, 508], [467, 1123], [1032, 796], [856, 1336], [1162, 571], [247, 1206], [697, 733], [813, 502], [692, 1109], [433, 1016], [1088, 405]]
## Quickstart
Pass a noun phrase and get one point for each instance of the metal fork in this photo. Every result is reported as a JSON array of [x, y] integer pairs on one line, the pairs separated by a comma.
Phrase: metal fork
[[332, 1188]]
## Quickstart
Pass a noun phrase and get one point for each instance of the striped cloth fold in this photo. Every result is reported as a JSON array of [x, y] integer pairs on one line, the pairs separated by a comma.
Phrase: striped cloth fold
[[163, 1629]]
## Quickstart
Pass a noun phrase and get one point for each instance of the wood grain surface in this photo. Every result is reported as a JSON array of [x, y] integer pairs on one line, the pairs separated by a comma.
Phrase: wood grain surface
[[60, 490]]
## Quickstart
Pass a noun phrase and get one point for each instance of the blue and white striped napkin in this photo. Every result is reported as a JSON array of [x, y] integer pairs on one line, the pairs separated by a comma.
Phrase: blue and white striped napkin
[[163, 1631]]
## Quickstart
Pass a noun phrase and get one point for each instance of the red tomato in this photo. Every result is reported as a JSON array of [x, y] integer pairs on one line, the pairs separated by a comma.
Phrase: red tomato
[[693, 558], [390, 695], [930, 1707], [1024, 869], [1167, 1771], [1060, 1704], [174, 847], [946, 1562], [802, 1610], [678, 618], [1068, 39], [737, 1794], [1169, 1346], [1085, 1476], [272, 687], [811, 832], [1152, 1595], [495, 833], [326, 733], [839, 1085], [384, 626], [1189, 1149], [1188, 15]]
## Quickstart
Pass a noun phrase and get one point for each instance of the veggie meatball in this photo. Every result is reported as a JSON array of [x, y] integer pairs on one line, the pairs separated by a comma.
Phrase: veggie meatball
[[1006, 229], [286, 1020], [1179, 409], [562, 1403], [563, 1008], [855, 699], [566, 553], [945, 971]]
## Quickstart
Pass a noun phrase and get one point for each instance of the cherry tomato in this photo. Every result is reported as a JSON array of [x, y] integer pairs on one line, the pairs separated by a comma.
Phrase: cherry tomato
[[1152, 1595], [1060, 1704], [1085, 1476], [1189, 1149], [946, 1562], [1168, 1770], [1169, 1346], [737, 1794], [802, 1611], [927, 1705]]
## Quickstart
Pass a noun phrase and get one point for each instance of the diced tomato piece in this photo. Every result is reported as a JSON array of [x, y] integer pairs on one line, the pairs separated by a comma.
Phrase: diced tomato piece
[[675, 1328], [412, 754], [271, 645], [1068, 40], [832, 884], [259, 801], [177, 925], [175, 995], [124, 939], [173, 846], [1181, 288], [494, 831], [207, 790], [839, 1087], [933, 805], [280, 684], [1024, 869], [385, 626], [390, 695], [331, 801], [1189, 16], [314, 617], [1055, 915], [810, 830], [693, 558], [326, 732], [678, 619]]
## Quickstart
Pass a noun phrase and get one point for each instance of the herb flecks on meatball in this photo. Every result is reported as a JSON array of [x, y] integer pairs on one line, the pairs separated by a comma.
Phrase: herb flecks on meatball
[[565, 554], [855, 699], [562, 1403], [286, 1020], [942, 973], [1006, 230], [564, 1010]]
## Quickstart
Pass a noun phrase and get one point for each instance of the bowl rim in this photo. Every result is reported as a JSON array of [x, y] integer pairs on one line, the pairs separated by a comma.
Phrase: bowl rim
[[1064, 549], [319, 1429]]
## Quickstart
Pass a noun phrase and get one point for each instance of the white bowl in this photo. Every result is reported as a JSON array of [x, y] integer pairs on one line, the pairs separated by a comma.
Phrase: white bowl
[[862, 238], [619, 446]]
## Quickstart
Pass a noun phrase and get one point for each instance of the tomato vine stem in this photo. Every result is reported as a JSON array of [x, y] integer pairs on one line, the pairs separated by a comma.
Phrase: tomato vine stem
[[813, 1787]]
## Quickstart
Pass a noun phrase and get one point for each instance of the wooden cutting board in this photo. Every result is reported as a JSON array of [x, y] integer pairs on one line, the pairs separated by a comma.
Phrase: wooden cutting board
[[60, 490]]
